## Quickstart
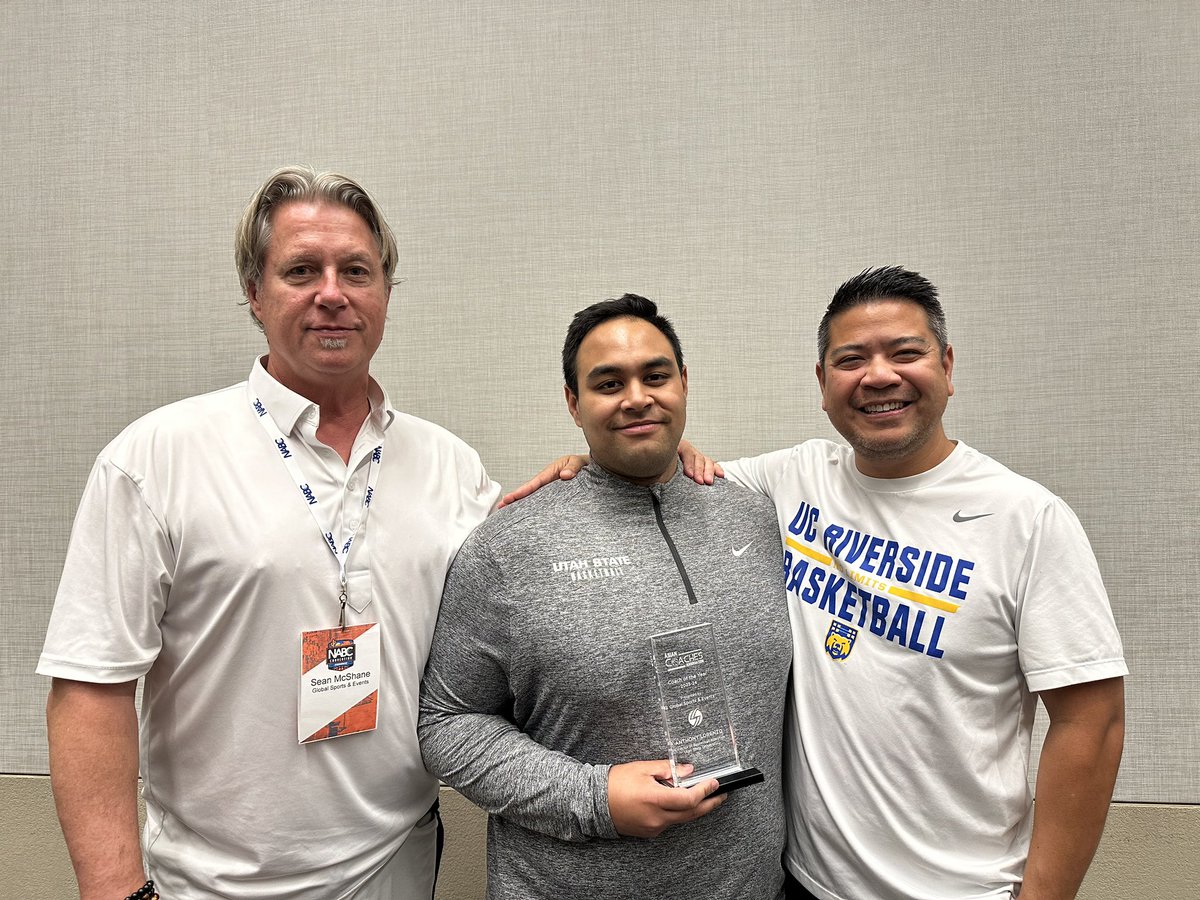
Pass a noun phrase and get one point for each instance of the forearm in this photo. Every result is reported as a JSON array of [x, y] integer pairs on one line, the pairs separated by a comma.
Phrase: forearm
[[505, 772], [1076, 774], [93, 772]]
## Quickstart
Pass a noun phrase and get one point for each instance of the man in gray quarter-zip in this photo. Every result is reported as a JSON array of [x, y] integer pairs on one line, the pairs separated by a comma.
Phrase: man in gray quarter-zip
[[540, 700]]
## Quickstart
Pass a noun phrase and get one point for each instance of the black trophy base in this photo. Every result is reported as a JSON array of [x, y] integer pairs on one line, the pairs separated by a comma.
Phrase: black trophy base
[[739, 779]]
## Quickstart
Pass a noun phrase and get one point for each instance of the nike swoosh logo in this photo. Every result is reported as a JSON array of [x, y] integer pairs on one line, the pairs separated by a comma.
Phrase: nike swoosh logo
[[959, 517], [740, 552]]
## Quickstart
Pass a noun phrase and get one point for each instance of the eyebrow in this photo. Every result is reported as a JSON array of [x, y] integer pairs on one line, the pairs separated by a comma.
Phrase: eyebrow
[[306, 252], [613, 369], [894, 342]]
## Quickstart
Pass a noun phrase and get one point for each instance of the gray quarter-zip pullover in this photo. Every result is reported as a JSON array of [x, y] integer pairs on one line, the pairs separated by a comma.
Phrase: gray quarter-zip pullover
[[541, 677]]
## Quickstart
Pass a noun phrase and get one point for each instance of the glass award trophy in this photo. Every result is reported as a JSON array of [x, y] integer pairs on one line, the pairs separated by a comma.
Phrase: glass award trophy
[[695, 708]]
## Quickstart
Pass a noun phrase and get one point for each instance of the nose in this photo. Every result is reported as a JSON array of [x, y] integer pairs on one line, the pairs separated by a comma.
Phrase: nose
[[635, 396], [880, 373], [329, 291]]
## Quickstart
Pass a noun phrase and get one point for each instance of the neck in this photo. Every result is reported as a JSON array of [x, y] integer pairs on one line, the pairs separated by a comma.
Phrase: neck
[[337, 395], [646, 481], [340, 424], [343, 404], [928, 457]]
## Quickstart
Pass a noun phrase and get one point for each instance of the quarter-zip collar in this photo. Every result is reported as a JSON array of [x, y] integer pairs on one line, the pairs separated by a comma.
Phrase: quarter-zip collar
[[601, 480]]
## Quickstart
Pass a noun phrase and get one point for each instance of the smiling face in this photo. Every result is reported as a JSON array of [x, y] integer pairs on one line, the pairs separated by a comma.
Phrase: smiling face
[[885, 384], [322, 298], [632, 400]]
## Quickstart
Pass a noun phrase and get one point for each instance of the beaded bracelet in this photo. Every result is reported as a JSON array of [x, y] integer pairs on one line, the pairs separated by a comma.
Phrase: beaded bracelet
[[146, 892]]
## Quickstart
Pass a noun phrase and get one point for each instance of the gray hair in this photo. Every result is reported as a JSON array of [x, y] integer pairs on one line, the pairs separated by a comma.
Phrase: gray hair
[[303, 183]]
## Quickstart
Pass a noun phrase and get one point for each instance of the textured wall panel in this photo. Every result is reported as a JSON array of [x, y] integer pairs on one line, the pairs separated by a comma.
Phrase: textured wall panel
[[734, 161]]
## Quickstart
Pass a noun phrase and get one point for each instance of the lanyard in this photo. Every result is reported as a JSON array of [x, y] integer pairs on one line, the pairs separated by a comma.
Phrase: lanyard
[[340, 553]]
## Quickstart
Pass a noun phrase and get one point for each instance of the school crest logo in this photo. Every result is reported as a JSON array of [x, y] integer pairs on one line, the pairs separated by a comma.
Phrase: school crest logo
[[840, 640]]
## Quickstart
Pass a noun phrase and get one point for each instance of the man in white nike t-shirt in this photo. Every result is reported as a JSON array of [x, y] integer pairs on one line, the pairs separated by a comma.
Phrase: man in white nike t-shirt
[[934, 596]]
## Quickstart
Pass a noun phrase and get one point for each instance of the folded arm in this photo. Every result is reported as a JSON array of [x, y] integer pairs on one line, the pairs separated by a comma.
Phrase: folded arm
[[469, 740], [493, 764], [505, 772]]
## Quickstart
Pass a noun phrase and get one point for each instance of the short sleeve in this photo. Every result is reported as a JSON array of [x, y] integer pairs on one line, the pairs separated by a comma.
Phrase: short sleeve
[[761, 474], [104, 627], [1065, 629]]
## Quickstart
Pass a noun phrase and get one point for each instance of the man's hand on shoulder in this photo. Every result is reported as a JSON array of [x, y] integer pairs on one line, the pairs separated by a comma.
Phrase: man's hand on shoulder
[[562, 469], [697, 466], [642, 806]]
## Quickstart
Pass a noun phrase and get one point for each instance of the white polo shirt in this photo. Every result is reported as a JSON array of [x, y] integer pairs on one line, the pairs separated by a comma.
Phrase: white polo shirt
[[194, 561]]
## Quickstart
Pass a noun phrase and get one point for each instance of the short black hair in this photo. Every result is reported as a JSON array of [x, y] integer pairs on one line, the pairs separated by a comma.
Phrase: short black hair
[[885, 283], [585, 320]]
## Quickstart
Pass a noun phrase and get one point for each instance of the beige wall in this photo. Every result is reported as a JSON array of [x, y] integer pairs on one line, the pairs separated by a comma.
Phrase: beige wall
[[1148, 851], [734, 162]]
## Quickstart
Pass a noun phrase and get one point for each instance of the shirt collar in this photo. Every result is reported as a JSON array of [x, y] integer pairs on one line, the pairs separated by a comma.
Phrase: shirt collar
[[287, 408], [599, 477], [946, 467]]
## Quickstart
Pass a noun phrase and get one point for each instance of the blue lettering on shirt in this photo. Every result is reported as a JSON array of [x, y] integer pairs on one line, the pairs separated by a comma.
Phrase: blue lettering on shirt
[[880, 606], [844, 612], [804, 523], [962, 576], [899, 628], [904, 571], [933, 649], [829, 595], [863, 562], [816, 575]]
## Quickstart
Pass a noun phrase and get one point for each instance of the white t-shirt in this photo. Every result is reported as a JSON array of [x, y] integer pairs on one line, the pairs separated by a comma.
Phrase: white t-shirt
[[194, 561], [926, 614]]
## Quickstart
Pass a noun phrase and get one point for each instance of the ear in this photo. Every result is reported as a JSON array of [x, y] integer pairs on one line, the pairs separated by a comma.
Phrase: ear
[[821, 382], [252, 296], [683, 378], [948, 365], [572, 404]]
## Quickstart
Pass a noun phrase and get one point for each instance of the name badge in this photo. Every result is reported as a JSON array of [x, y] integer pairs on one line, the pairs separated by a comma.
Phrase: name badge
[[339, 682]]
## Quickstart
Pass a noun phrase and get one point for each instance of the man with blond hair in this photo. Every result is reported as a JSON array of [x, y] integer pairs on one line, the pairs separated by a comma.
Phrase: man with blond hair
[[286, 536]]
